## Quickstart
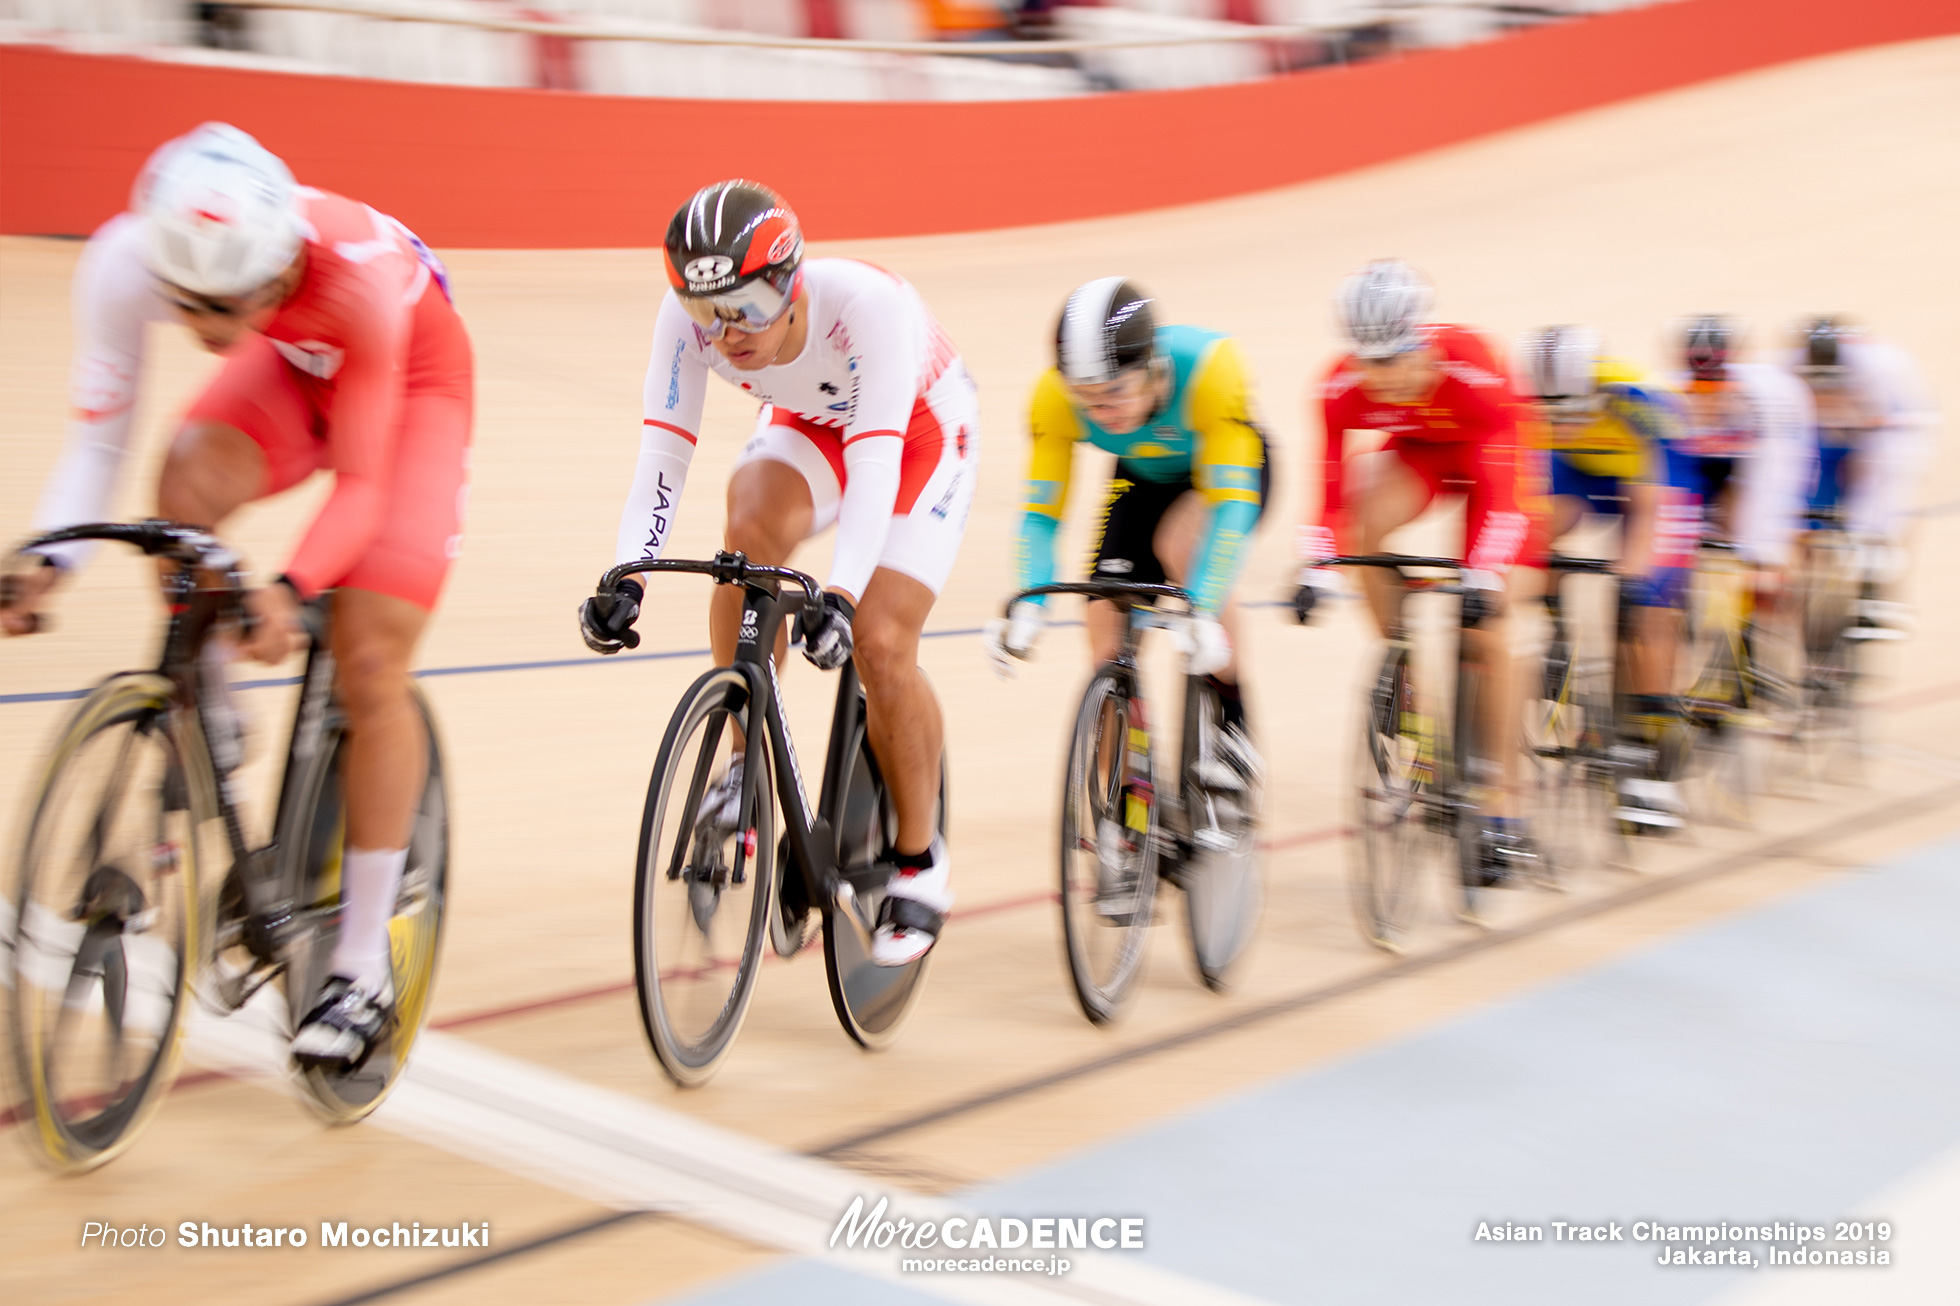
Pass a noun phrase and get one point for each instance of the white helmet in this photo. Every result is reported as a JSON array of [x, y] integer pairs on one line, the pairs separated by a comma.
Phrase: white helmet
[[222, 212], [1559, 362], [1382, 307]]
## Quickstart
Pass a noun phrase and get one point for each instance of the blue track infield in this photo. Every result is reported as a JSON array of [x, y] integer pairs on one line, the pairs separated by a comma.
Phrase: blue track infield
[[1785, 1065]]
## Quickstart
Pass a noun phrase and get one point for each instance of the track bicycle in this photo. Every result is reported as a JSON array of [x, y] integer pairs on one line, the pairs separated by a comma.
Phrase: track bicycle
[[1833, 590], [1572, 743], [708, 891], [1122, 831], [117, 907], [1745, 693], [1417, 778]]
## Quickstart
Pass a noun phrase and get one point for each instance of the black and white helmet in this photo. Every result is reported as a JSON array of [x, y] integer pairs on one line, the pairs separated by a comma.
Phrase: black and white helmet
[[1106, 329], [1706, 343], [1559, 362], [1382, 308]]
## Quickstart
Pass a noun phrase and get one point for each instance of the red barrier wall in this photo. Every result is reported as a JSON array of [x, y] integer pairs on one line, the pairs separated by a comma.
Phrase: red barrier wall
[[499, 168]]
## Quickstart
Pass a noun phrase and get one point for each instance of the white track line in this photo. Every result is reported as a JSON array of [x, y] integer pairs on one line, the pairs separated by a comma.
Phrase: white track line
[[623, 1152]]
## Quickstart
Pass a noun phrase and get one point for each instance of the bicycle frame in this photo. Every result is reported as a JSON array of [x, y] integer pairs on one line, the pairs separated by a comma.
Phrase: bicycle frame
[[266, 877], [1135, 599], [810, 835]]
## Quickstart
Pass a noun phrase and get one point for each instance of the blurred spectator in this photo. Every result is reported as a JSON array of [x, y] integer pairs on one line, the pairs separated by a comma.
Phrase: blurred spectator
[[966, 20], [221, 27]]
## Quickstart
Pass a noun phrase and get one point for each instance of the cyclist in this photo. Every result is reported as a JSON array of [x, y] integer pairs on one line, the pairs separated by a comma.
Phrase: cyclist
[[869, 422], [1748, 440], [341, 350], [1451, 420], [1610, 436], [1174, 404], [1875, 424]]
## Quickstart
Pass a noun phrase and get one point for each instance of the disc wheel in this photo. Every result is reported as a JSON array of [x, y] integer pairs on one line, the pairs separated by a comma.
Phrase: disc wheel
[[1109, 847], [104, 921], [414, 930], [704, 882], [871, 1001], [1223, 887]]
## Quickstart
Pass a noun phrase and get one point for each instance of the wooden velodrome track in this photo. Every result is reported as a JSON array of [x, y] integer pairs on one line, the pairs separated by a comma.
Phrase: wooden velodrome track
[[1826, 185]]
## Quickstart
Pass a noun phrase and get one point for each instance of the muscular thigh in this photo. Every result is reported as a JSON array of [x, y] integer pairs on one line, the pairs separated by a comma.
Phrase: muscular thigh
[[258, 393], [1392, 492], [1176, 537], [769, 509]]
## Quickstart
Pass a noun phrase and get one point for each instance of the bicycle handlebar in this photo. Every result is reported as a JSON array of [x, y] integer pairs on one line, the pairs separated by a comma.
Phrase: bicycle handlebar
[[1395, 561], [1116, 591], [190, 545], [726, 569]]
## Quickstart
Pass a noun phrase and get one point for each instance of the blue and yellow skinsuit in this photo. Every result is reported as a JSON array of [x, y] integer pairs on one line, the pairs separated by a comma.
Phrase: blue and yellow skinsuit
[[1630, 440], [1204, 437]]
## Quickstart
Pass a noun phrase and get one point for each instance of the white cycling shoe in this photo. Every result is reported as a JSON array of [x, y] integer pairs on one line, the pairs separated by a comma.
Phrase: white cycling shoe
[[1231, 763], [346, 1023], [1653, 804], [914, 911]]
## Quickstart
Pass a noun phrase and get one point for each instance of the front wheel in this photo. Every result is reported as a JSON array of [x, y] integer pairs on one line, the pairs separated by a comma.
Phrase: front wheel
[[103, 920], [1109, 848], [319, 838], [703, 886], [1395, 793]]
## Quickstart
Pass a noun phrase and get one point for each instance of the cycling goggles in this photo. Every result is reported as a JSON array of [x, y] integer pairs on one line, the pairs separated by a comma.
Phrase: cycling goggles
[[753, 307], [196, 305]]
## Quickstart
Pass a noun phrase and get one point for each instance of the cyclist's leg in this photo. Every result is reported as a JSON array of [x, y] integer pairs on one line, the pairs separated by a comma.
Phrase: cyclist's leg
[[772, 507], [902, 717], [937, 479], [1123, 550], [1390, 487], [774, 494], [381, 608], [248, 435]]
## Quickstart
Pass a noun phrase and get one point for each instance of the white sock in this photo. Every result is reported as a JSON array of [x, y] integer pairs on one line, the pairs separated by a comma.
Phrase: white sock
[[370, 879]]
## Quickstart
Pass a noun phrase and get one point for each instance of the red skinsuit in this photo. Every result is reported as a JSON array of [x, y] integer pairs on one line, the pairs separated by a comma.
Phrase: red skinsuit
[[1462, 439], [365, 371]]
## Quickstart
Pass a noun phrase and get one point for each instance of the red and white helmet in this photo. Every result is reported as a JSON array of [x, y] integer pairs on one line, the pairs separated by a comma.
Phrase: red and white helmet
[[222, 212]]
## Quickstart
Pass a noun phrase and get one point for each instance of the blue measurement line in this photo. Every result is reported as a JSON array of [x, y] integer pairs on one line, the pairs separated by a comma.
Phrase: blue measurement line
[[488, 668]]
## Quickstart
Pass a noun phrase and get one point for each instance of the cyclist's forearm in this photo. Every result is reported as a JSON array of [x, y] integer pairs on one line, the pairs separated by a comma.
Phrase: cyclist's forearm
[[339, 536], [82, 486], [647, 521], [1220, 553], [1034, 551]]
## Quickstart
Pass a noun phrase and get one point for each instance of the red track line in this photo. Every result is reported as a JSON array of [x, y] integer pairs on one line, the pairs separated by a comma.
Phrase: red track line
[[11, 1116]]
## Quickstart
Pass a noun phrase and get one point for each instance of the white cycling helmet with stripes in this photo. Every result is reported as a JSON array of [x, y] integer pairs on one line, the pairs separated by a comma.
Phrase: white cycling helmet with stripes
[[222, 212], [1382, 308], [1559, 362]]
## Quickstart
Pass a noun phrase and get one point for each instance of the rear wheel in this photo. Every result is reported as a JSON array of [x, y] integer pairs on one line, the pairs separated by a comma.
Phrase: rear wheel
[[1109, 846], [1223, 889], [104, 920], [871, 1001], [703, 884], [414, 930], [1569, 734], [1395, 780], [1474, 775]]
